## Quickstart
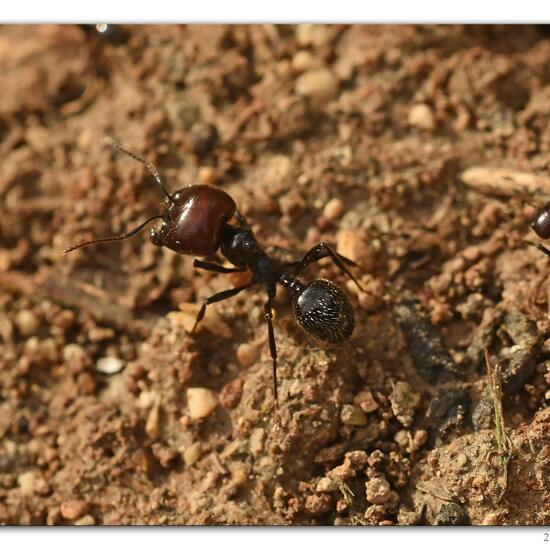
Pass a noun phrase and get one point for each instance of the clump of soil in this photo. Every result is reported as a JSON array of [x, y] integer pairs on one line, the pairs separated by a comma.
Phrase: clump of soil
[[418, 150]]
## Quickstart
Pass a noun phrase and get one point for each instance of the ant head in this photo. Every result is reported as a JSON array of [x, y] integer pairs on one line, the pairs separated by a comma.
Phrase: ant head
[[193, 219], [323, 309]]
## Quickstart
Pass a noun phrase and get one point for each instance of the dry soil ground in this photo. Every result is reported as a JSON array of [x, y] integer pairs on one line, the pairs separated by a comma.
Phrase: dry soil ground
[[421, 151]]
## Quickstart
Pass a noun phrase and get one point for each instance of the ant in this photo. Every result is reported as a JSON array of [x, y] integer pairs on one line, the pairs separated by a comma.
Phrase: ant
[[541, 226], [195, 222]]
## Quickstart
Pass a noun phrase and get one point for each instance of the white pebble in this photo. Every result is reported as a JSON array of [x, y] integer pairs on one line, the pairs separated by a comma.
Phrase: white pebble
[[201, 402], [192, 453], [304, 60], [319, 85], [333, 209], [421, 115], [109, 365], [27, 322]]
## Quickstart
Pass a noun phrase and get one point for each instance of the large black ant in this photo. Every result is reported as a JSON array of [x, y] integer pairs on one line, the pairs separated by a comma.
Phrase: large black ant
[[195, 222]]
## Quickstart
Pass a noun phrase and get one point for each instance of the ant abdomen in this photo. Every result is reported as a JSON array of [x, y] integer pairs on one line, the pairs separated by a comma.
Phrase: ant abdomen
[[323, 309], [541, 222]]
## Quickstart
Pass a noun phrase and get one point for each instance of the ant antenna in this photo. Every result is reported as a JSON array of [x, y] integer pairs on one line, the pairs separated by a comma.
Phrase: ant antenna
[[149, 165], [118, 238]]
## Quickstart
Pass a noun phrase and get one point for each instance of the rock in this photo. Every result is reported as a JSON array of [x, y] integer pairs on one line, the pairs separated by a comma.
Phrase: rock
[[378, 490], [365, 400], [192, 453], [257, 441], [201, 402], [319, 85], [152, 426], [422, 116], [73, 509], [326, 485], [404, 402], [86, 520], [109, 365], [26, 482], [231, 393], [27, 322], [308, 34], [240, 473], [333, 209], [304, 60], [353, 416], [247, 354], [318, 504]]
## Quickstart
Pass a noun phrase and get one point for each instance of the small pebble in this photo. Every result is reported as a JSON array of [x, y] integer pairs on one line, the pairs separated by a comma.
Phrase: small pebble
[[201, 402], [318, 504], [152, 426], [27, 322], [239, 473], [461, 460], [247, 354], [353, 416], [421, 115], [257, 441], [402, 438], [319, 85], [326, 485], [231, 393], [87, 520], [73, 509], [333, 209], [309, 34], [404, 402], [146, 399], [192, 453], [207, 175], [26, 482], [366, 401], [109, 365], [378, 490], [304, 60]]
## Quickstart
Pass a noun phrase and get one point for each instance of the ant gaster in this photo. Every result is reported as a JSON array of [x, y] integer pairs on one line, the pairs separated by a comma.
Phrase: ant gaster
[[195, 222], [541, 226]]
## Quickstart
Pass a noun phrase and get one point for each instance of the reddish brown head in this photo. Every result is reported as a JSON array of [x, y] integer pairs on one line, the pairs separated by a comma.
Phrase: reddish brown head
[[193, 220]]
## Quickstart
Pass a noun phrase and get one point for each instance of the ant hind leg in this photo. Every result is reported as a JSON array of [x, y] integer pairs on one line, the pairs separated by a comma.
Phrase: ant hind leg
[[325, 250], [268, 315]]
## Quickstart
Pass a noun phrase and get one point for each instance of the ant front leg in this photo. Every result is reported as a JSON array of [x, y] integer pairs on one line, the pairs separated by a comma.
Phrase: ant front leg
[[218, 298], [543, 249], [268, 315], [325, 250], [208, 266]]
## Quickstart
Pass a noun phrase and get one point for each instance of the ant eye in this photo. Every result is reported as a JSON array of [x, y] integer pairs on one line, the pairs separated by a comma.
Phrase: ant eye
[[323, 309]]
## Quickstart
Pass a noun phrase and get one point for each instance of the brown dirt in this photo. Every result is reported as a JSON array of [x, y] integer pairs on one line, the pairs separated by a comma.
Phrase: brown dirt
[[434, 142]]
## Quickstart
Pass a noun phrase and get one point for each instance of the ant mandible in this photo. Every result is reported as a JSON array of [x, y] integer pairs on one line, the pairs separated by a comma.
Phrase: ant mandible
[[195, 222]]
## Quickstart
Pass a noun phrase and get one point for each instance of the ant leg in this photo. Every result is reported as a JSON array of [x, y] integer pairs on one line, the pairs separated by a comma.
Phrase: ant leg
[[543, 249], [218, 298], [207, 266], [268, 315], [325, 250]]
